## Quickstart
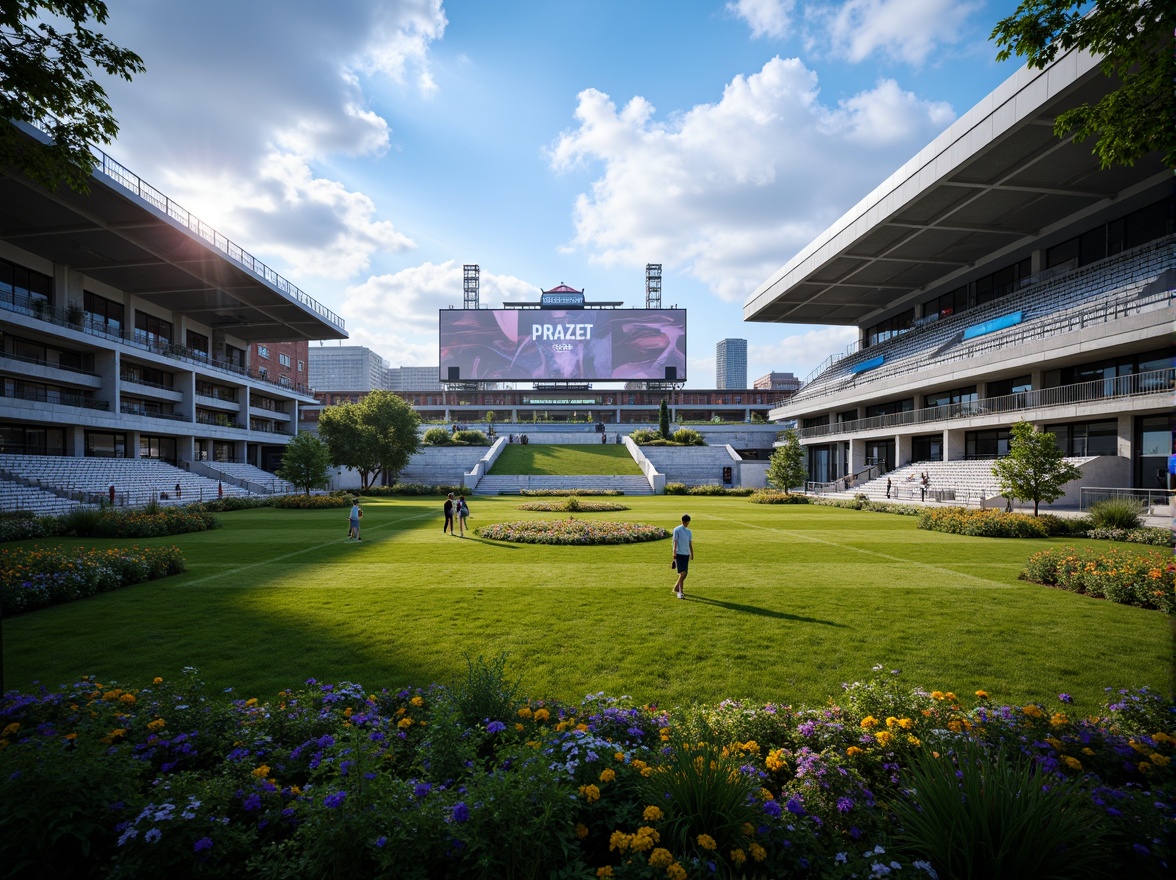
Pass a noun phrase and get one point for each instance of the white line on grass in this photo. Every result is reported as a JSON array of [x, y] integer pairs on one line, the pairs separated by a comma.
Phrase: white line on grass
[[304, 550], [806, 537]]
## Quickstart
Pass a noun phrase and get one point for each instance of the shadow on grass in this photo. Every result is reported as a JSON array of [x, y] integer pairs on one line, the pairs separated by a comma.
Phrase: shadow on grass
[[759, 612], [498, 544]]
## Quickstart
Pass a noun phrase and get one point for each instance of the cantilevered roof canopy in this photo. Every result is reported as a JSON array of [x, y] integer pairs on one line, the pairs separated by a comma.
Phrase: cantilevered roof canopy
[[132, 237], [986, 189]]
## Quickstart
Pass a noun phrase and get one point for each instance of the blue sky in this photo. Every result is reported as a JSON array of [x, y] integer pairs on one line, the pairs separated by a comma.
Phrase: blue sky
[[368, 148]]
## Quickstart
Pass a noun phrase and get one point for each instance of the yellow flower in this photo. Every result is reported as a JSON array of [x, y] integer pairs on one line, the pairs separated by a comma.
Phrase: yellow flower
[[1145, 767], [1088, 751], [1032, 711], [748, 829], [758, 852], [738, 856], [129, 699], [404, 723], [869, 721], [1072, 763], [676, 872], [590, 793], [541, 715], [251, 702], [11, 729], [619, 756], [882, 737], [766, 795], [644, 839], [891, 721], [619, 841], [937, 695], [852, 751], [905, 723], [914, 740], [519, 727], [1160, 760], [581, 830], [660, 858], [1059, 719], [608, 774], [652, 813], [261, 772], [417, 701], [157, 680], [706, 841], [983, 695], [605, 871], [775, 760]]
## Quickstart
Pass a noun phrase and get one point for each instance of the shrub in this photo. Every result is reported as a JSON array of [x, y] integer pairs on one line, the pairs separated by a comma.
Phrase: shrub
[[1156, 537], [1116, 513], [32, 578], [470, 438], [313, 502], [979, 812], [644, 436], [688, 437], [983, 523], [1144, 578], [548, 493], [436, 437], [411, 489], [770, 496], [237, 502], [572, 531], [153, 521], [21, 525]]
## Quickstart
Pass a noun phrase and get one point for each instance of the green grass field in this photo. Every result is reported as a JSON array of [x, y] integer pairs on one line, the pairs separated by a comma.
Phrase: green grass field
[[784, 603], [536, 458]]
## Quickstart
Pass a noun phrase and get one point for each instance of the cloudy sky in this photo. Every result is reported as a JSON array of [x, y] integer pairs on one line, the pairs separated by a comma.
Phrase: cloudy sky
[[368, 148]]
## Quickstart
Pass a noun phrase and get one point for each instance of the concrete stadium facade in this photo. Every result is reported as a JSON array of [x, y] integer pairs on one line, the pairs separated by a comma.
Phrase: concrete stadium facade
[[1001, 274]]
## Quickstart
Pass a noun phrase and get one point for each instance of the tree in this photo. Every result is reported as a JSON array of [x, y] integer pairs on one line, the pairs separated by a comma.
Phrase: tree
[[1035, 468], [378, 434], [786, 467], [46, 80], [306, 462], [1134, 38], [663, 420]]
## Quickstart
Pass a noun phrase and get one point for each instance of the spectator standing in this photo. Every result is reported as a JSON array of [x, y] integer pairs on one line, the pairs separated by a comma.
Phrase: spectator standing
[[683, 553], [355, 517], [463, 511], [448, 527], [888, 488]]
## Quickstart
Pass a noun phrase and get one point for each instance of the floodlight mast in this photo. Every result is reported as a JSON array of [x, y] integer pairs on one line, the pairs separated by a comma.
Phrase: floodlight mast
[[653, 279], [471, 273]]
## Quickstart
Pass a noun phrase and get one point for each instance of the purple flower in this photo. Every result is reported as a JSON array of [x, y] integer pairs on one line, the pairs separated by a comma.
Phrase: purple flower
[[422, 789], [1065, 698], [380, 841], [795, 807], [332, 801], [495, 727], [253, 802], [844, 805], [153, 835], [460, 813], [202, 844], [772, 809]]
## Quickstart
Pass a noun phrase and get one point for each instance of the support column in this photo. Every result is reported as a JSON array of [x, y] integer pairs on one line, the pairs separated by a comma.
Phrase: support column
[[954, 444], [902, 449]]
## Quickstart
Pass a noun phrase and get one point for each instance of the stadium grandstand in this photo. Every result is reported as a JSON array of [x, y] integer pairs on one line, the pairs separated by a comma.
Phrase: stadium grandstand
[[127, 331], [999, 275]]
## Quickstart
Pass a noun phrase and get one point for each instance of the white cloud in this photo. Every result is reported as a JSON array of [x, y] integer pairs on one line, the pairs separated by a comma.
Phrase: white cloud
[[242, 106], [766, 18], [903, 30], [800, 352], [729, 191], [396, 315]]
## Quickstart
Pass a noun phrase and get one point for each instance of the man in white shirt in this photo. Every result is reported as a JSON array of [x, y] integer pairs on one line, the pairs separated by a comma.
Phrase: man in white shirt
[[683, 553]]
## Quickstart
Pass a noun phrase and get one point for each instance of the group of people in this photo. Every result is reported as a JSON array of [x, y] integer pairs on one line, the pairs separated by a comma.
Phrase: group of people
[[455, 510]]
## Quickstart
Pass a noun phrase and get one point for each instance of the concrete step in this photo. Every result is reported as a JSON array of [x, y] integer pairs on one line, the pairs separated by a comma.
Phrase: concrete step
[[513, 484]]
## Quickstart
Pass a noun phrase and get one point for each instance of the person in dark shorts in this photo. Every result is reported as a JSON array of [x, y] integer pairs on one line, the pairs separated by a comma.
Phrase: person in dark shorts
[[683, 553], [448, 527]]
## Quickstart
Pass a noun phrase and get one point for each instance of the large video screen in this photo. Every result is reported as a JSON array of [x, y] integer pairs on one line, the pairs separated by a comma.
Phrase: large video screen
[[599, 345]]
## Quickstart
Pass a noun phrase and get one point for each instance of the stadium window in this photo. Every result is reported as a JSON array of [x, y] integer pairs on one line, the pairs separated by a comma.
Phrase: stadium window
[[849, 415], [301, 366], [21, 286], [890, 328], [815, 422], [947, 398], [986, 444], [1087, 438], [891, 407], [197, 343], [102, 314], [263, 351], [1005, 387], [284, 360], [152, 330]]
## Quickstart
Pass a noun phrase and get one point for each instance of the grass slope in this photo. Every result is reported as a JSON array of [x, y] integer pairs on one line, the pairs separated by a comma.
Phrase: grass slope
[[784, 603], [552, 458]]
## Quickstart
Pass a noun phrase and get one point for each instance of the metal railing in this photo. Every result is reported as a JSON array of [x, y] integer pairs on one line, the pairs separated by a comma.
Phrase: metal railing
[[58, 398], [1135, 385], [135, 184], [1149, 499]]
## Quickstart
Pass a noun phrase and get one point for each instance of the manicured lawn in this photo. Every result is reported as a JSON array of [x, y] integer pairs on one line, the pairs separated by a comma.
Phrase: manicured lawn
[[550, 458], [784, 603]]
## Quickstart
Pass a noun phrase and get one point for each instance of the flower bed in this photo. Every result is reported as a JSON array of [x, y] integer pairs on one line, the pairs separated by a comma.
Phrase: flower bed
[[336, 780], [32, 578], [1146, 578], [708, 489], [993, 523], [554, 493], [572, 531], [573, 505], [314, 502], [766, 496]]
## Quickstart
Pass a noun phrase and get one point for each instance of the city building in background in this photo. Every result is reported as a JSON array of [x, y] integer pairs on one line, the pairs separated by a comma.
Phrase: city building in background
[[731, 363], [282, 362], [777, 382]]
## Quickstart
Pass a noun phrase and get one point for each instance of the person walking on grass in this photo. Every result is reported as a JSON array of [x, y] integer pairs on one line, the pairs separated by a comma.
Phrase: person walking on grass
[[353, 520], [683, 553], [463, 511], [448, 527]]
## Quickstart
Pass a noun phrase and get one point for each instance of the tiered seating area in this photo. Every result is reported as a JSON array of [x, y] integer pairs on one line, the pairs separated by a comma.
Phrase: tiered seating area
[[16, 496], [513, 484], [953, 482], [1106, 288], [240, 472], [135, 481], [441, 465], [692, 465]]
